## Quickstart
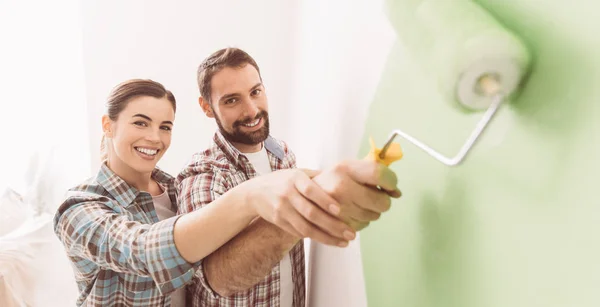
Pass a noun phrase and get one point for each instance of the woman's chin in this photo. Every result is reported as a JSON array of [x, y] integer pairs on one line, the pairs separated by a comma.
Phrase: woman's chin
[[144, 166]]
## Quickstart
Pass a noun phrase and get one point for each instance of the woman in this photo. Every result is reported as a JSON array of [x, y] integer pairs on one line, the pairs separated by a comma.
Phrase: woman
[[119, 228]]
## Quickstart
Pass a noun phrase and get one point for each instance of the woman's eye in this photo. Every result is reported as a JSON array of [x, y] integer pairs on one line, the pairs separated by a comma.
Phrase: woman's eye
[[166, 128], [141, 124]]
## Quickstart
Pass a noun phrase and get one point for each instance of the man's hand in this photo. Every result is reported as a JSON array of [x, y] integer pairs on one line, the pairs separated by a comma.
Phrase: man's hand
[[295, 203], [363, 188]]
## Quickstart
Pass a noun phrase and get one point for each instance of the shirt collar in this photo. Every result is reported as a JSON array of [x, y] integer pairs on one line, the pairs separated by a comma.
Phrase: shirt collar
[[122, 192], [234, 154]]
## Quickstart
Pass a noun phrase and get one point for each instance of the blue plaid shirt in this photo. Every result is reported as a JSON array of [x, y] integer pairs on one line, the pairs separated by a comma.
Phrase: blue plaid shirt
[[120, 252]]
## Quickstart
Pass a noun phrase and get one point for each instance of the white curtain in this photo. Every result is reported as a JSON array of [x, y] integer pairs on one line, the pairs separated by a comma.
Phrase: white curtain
[[45, 145], [43, 93], [342, 47]]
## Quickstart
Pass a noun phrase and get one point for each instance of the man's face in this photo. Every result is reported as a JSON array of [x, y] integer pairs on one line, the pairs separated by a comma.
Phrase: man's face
[[239, 105]]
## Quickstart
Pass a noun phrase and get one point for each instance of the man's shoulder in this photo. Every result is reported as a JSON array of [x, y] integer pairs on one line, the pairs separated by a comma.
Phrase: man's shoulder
[[281, 144], [281, 150], [211, 160]]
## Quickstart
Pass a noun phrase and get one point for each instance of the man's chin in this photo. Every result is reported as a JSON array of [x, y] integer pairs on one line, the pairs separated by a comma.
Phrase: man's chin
[[254, 138], [260, 136]]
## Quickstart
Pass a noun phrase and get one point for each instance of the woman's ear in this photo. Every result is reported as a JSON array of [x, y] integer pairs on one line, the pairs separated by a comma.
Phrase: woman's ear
[[205, 105], [106, 126]]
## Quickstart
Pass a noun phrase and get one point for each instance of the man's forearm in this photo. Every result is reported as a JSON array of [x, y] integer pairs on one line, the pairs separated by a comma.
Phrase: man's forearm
[[248, 258]]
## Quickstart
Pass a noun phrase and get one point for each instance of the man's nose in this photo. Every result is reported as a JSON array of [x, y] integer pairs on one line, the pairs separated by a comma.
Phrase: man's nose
[[251, 109]]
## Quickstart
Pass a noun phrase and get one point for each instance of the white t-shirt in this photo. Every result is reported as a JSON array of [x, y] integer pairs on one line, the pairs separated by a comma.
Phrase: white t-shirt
[[260, 161], [163, 207]]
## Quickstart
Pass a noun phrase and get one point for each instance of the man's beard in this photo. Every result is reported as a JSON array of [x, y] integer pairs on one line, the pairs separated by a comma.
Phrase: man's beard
[[248, 138]]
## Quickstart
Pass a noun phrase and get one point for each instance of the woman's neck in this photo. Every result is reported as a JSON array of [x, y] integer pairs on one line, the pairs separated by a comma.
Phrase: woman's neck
[[140, 181]]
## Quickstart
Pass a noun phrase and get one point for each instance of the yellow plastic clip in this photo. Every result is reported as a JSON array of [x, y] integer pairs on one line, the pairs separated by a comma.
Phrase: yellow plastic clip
[[392, 154]]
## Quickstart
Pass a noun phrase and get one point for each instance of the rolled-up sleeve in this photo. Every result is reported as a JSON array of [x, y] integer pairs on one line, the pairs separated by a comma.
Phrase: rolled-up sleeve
[[91, 231]]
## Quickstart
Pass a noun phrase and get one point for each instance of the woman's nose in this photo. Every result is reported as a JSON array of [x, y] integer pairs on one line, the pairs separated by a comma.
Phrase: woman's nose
[[153, 135]]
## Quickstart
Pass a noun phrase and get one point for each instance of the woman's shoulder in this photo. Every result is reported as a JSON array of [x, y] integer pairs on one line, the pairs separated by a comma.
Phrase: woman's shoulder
[[86, 192], [89, 188]]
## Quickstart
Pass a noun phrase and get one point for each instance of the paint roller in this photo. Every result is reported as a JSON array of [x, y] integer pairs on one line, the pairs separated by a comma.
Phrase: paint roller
[[475, 61]]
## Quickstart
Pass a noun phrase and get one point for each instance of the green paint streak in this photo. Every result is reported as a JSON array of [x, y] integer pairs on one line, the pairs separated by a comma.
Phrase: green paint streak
[[519, 223]]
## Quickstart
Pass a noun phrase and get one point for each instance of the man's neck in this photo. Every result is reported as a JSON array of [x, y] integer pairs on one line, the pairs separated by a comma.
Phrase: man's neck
[[246, 148]]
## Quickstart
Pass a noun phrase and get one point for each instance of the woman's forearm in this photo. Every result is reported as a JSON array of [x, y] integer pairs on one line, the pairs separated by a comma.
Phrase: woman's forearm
[[199, 233]]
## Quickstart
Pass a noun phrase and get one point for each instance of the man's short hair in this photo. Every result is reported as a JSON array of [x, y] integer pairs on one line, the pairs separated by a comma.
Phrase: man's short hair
[[227, 57]]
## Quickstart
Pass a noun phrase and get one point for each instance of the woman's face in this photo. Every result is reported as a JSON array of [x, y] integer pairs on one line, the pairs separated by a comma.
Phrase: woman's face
[[141, 134]]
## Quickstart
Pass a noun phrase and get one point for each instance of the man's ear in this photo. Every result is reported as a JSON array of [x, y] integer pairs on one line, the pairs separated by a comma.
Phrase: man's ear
[[205, 105], [107, 126]]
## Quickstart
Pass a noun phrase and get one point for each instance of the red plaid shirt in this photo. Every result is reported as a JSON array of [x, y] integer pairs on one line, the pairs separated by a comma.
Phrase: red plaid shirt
[[212, 173]]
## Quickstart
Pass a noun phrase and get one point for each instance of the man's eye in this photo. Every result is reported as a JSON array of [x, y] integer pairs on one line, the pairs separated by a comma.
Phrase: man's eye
[[230, 101], [256, 92]]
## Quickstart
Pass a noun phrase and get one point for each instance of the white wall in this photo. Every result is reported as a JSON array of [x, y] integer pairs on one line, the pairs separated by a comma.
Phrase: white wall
[[167, 41], [342, 49], [42, 89]]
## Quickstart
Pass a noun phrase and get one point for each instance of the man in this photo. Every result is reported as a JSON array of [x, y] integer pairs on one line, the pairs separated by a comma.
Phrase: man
[[264, 265]]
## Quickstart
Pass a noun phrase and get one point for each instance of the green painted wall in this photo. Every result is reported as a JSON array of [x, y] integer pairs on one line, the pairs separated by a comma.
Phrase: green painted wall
[[518, 224]]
